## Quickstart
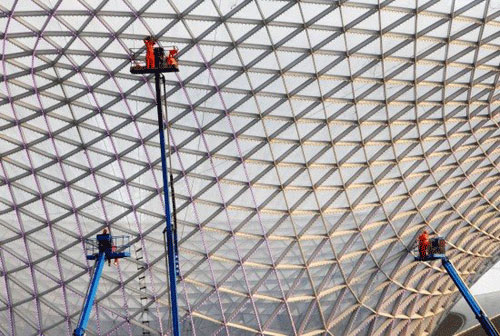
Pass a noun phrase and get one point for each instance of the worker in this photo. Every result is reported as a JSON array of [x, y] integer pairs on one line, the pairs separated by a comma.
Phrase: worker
[[423, 244], [150, 57], [105, 245], [113, 249], [171, 61]]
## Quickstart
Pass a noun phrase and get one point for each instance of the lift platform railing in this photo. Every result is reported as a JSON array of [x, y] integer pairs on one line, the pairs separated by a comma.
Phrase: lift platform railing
[[119, 245], [436, 248], [163, 62]]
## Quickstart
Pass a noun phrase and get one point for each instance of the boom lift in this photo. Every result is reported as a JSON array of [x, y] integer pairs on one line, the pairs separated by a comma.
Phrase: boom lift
[[156, 62], [103, 247], [434, 249]]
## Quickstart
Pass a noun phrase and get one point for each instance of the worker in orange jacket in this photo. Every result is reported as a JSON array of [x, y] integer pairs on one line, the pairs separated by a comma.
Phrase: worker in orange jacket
[[171, 58], [423, 244], [150, 57]]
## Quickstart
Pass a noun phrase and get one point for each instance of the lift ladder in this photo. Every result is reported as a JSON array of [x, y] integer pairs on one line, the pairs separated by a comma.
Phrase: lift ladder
[[143, 290]]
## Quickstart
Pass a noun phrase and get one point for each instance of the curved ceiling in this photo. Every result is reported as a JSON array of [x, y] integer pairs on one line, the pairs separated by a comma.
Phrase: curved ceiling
[[310, 142]]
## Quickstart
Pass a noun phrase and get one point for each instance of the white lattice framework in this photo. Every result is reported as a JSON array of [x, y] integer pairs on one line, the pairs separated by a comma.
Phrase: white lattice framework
[[310, 142]]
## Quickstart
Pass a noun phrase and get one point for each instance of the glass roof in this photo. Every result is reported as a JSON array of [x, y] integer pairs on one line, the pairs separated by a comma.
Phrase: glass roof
[[310, 142]]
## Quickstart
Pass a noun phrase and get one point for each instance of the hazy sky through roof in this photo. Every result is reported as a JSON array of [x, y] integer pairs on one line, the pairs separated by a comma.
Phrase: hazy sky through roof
[[488, 282]]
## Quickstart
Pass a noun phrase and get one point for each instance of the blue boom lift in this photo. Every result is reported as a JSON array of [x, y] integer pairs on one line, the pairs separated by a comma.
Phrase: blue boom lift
[[434, 250], [104, 247], [158, 63]]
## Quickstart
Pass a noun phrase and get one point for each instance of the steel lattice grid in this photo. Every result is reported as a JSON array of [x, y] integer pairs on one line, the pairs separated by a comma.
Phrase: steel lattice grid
[[310, 142]]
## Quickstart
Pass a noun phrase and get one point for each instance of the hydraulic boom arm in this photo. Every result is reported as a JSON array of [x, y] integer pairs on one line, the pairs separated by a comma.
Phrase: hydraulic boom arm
[[89, 300], [462, 287]]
